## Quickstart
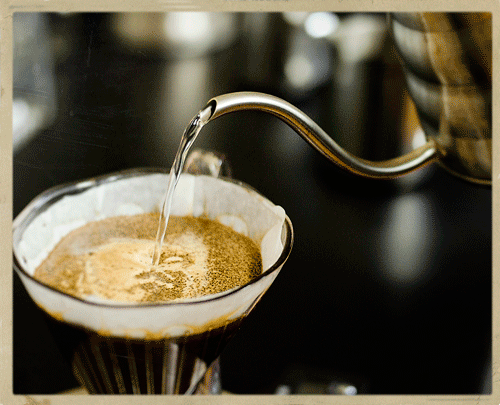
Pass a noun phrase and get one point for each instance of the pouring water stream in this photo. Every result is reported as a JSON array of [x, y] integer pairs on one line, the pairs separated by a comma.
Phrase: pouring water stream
[[189, 136], [300, 123]]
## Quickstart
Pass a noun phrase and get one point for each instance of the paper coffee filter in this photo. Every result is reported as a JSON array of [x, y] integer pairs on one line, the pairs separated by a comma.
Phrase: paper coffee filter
[[243, 210], [234, 205], [75, 210]]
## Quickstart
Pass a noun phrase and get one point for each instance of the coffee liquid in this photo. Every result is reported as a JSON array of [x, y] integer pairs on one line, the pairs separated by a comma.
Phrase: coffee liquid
[[110, 259], [121, 259], [164, 366]]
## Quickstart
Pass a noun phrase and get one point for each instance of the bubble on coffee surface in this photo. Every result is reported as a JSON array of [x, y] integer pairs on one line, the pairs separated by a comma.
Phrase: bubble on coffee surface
[[110, 259]]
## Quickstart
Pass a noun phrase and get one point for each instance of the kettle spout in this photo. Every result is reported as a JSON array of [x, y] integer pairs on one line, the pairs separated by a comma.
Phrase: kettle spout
[[318, 138]]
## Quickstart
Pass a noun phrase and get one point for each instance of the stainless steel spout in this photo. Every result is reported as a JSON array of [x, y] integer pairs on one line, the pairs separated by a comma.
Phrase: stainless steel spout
[[319, 139]]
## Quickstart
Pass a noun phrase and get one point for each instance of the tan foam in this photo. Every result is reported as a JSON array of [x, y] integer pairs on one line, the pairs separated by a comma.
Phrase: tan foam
[[111, 259]]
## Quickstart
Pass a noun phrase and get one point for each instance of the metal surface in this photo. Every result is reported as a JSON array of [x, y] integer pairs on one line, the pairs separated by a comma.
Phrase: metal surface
[[448, 59], [319, 139], [389, 286]]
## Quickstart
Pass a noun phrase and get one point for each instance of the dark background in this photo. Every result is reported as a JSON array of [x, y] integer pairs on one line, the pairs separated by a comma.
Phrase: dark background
[[388, 286]]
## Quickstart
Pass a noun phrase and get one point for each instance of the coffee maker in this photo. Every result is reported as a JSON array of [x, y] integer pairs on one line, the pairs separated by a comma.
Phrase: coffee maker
[[390, 284]]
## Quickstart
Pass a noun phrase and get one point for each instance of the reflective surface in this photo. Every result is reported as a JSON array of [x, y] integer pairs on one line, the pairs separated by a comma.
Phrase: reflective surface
[[312, 133], [448, 60], [389, 285]]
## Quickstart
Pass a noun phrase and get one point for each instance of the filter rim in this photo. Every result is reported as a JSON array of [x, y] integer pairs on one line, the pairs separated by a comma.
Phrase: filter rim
[[44, 200]]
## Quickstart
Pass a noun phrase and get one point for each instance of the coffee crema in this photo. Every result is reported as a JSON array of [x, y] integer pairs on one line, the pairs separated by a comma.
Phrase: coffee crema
[[111, 259]]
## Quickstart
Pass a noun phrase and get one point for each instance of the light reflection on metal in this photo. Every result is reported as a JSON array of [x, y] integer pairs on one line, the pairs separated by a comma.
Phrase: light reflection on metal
[[407, 239], [418, 138], [295, 18], [299, 71], [176, 34], [188, 27], [34, 88], [321, 24]]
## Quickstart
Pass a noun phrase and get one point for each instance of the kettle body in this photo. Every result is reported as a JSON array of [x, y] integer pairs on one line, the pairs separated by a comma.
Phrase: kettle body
[[447, 62]]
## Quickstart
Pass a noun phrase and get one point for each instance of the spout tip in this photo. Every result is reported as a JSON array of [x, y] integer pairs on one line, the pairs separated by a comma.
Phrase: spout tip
[[208, 111]]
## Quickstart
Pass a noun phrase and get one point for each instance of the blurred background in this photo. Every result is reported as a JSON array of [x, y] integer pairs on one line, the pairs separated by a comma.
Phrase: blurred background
[[388, 287]]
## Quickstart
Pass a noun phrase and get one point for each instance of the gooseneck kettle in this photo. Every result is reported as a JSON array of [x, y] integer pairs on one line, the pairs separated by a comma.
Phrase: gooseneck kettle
[[447, 64]]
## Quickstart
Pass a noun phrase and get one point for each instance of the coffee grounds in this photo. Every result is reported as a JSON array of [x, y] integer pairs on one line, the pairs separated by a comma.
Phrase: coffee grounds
[[111, 259]]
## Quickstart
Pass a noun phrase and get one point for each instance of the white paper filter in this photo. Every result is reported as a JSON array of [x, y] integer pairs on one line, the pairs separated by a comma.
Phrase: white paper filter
[[241, 208]]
